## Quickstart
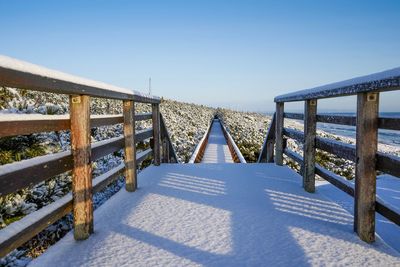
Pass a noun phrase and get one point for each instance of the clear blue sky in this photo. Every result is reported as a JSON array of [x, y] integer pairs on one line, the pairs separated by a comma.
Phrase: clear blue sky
[[228, 53]]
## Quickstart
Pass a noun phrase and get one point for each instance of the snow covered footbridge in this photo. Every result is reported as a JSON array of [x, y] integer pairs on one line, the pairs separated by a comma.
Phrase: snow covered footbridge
[[212, 214]]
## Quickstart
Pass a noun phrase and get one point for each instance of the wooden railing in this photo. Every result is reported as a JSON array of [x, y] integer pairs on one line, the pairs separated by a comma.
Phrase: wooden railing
[[368, 160], [25, 173], [235, 152]]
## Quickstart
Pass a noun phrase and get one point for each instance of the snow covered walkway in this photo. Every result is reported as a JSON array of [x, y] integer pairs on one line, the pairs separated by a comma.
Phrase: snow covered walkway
[[217, 150], [220, 215]]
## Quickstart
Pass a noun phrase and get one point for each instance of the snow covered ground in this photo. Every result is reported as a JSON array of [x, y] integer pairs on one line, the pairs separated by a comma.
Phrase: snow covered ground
[[217, 150], [220, 215]]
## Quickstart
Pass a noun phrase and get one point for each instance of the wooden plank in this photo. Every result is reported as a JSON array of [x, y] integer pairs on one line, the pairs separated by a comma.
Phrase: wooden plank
[[294, 116], [141, 156], [101, 120], [279, 134], [340, 149], [378, 82], [334, 119], [143, 116], [130, 146], [294, 156], [294, 134], [389, 123], [365, 181], [310, 133], [19, 74], [19, 175], [171, 151], [388, 164], [156, 134], [82, 169], [335, 180], [19, 232], [389, 212], [267, 150], [24, 125], [143, 135], [102, 181]]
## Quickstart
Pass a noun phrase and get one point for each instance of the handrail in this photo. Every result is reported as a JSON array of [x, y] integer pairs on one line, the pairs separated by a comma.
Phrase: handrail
[[267, 150], [388, 80], [21, 174], [20, 74], [201, 146], [235, 151], [368, 160]]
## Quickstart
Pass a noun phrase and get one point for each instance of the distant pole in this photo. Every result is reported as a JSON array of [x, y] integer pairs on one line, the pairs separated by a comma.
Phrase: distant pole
[[150, 86]]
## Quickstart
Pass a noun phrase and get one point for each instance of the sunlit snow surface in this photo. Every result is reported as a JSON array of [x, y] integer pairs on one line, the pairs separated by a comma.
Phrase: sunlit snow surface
[[220, 215]]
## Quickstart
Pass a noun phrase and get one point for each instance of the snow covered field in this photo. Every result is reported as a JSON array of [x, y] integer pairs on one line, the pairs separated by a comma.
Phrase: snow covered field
[[220, 215]]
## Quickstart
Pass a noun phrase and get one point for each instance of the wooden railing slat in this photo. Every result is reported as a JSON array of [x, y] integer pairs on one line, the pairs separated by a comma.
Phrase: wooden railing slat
[[279, 134], [12, 126]]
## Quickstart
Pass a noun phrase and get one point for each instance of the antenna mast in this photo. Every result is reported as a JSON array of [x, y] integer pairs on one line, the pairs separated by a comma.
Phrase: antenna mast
[[150, 86]]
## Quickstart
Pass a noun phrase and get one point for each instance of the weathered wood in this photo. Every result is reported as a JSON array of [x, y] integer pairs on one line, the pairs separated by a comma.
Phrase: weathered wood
[[365, 181], [106, 147], [143, 135], [378, 82], [294, 116], [156, 134], [143, 116], [172, 157], [102, 181], [141, 156], [335, 180], [26, 125], [294, 156], [310, 132], [14, 74], [389, 212], [334, 119], [82, 170], [130, 146], [294, 134], [340, 149], [267, 150], [47, 123], [32, 224], [388, 164], [389, 123], [279, 134], [19, 175]]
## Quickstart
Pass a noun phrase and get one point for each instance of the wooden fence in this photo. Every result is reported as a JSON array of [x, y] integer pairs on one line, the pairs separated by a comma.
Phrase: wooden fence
[[368, 160], [22, 174]]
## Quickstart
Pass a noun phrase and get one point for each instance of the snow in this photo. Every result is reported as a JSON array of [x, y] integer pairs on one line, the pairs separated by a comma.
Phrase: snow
[[388, 191], [217, 150], [324, 90], [22, 66], [220, 215]]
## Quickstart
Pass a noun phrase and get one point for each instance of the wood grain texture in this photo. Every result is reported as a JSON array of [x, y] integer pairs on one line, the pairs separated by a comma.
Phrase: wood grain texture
[[310, 132], [156, 134], [130, 146], [365, 180], [279, 134], [82, 169]]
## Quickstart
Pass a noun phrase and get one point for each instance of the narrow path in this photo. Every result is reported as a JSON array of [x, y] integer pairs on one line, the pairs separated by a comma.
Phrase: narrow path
[[217, 150]]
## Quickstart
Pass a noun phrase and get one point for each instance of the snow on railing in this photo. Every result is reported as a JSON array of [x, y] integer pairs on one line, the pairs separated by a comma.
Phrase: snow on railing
[[236, 154], [19, 175], [364, 154], [199, 151]]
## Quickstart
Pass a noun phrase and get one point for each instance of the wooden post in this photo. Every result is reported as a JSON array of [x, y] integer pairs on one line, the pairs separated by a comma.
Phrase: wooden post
[[82, 170], [279, 133], [130, 146], [366, 148], [310, 128], [156, 133]]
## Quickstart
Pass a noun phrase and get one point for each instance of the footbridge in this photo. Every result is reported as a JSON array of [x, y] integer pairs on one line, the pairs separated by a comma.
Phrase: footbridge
[[216, 210]]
